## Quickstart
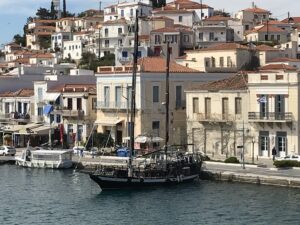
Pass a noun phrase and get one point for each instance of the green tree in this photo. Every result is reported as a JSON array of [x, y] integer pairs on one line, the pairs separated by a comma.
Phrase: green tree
[[53, 12], [101, 140], [44, 14], [89, 61], [158, 3], [64, 8], [20, 40], [221, 13]]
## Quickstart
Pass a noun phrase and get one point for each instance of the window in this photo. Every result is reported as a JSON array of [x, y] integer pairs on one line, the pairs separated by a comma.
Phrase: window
[[155, 94], [279, 107], [79, 132], [263, 141], [118, 96], [229, 61], [58, 119], [272, 37], [120, 31], [178, 96], [70, 103], [131, 12], [180, 19], [186, 38], [106, 96], [221, 63], [225, 108], [238, 106], [200, 36], [94, 103], [278, 37], [106, 32], [266, 37], [120, 42], [211, 36], [207, 103], [213, 62], [106, 43], [171, 38], [195, 105], [157, 39], [40, 111], [79, 104], [124, 54], [122, 13], [40, 94], [155, 128], [281, 141], [263, 103]]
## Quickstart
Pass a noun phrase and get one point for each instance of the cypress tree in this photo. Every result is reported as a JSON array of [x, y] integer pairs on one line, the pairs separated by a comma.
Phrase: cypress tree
[[64, 8]]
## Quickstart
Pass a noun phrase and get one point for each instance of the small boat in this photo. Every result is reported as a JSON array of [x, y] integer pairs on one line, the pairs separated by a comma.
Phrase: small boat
[[157, 168], [153, 172], [54, 159]]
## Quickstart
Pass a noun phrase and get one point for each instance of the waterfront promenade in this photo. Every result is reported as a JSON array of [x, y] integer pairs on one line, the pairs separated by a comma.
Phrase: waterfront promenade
[[262, 172]]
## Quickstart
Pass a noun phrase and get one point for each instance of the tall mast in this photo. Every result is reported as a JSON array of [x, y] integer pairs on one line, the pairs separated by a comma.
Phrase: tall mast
[[133, 93], [167, 97]]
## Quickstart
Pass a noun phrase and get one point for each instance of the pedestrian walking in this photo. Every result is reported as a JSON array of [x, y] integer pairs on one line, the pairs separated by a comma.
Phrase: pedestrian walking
[[274, 152]]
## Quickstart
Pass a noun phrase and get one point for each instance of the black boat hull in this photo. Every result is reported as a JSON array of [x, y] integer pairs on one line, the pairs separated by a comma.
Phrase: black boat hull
[[106, 182]]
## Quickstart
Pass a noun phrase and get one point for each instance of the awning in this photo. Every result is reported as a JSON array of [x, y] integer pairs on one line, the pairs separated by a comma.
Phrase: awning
[[48, 109], [42, 130], [12, 128], [148, 139], [52, 97], [107, 122]]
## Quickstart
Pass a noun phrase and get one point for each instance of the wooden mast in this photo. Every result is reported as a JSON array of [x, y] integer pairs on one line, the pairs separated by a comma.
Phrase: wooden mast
[[133, 93], [167, 98]]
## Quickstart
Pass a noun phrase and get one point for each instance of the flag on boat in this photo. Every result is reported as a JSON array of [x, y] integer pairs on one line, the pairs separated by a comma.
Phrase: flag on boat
[[262, 99]]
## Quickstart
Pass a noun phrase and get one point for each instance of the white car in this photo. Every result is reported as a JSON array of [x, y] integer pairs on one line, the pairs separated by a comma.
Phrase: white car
[[289, 157], [7, 150]]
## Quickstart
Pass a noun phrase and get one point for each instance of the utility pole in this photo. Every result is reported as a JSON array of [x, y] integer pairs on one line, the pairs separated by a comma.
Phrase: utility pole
[[201, 9], [99, 44]]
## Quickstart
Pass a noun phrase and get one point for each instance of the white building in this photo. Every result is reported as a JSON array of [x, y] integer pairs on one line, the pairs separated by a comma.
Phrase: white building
[[73, 49]]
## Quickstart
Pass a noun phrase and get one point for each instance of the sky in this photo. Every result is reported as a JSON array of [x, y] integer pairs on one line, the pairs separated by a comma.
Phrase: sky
[[13, 13]]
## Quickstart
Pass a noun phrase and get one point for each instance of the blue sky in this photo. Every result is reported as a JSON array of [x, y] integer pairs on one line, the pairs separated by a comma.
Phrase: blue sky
[[13, 13]]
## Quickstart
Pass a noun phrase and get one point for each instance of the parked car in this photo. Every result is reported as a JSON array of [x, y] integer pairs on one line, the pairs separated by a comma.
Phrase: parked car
[[289, 157], [7, 150]]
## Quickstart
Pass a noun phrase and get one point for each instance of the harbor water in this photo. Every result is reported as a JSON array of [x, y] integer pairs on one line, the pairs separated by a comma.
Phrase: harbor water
[[41, 196]]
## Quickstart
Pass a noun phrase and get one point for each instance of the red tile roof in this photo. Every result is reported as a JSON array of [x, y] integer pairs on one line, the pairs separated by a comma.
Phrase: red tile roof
[[292, 20], [119, 21], [263, 48], [266, 28], [284, 59], [217, 18], [223, 46], [67, 88], [20, 93], [256, 10], [278, 67], [236, 82], [158, 65]]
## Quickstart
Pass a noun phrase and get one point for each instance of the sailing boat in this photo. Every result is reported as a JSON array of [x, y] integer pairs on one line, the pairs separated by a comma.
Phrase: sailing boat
[[158, 168]]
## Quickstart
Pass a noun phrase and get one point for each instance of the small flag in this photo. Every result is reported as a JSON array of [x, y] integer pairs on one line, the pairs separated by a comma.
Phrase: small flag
[[262, 99]]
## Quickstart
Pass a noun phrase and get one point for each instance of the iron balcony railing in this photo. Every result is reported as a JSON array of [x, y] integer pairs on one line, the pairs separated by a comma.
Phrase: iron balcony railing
[[215, 117], [270, 116], [112, 105]]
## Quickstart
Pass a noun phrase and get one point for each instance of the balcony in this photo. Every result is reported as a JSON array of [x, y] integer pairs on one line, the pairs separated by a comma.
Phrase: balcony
[[5, 116], [37, 119], [69, 113], [217, 118], [107, 106], [270, 117]]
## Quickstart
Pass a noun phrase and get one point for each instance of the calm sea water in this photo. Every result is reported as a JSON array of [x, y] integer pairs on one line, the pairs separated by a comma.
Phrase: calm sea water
[[37, 196]]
